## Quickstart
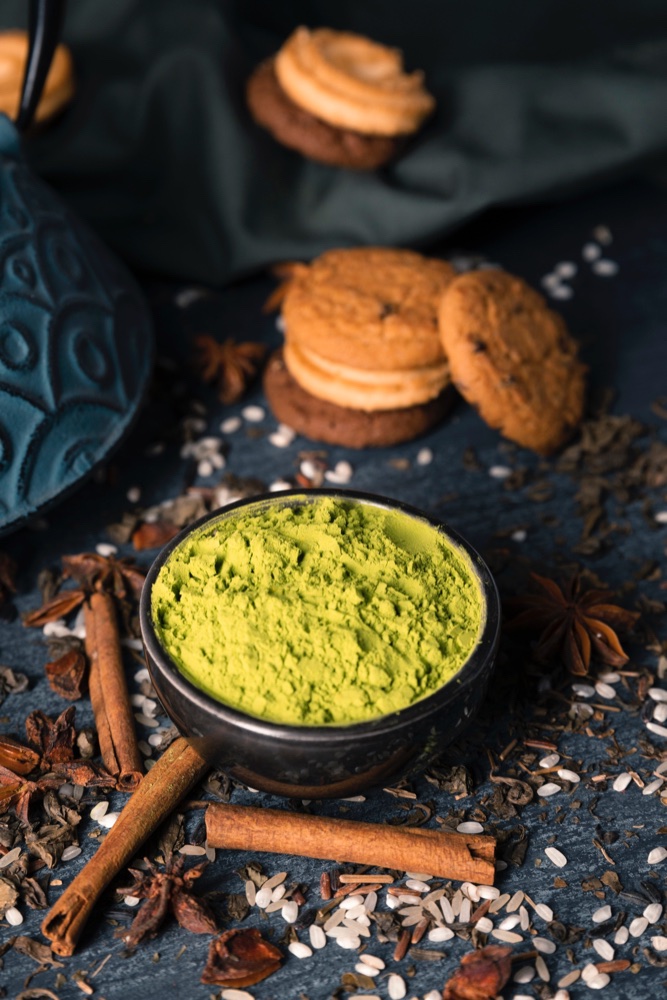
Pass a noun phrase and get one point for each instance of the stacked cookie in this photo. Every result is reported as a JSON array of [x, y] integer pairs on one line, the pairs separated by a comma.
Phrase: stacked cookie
[[376, 338], [338, 98]]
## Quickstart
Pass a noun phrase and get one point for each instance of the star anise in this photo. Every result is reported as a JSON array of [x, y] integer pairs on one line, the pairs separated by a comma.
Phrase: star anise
[[164, 891], [481, 974], [240, 958], [26, 771], [92, 572], [232, 366], [574, 625]]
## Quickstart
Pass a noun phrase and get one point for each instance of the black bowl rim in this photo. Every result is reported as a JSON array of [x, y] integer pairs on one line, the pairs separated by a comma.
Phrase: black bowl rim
[[480, 659]]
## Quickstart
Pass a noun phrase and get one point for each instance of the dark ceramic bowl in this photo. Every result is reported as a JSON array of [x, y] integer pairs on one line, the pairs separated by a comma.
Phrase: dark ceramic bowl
[[323, 761]]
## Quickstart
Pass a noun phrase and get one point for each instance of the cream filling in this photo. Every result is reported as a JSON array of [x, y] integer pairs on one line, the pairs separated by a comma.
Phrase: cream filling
[[362, 389], [351, 82]]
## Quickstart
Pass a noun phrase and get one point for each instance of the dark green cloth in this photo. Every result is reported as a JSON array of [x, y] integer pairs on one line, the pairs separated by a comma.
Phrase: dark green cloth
[[535, 98]]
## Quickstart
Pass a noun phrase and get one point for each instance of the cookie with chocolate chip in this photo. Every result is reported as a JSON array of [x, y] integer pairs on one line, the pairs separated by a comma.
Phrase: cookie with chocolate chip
[[512, 358]]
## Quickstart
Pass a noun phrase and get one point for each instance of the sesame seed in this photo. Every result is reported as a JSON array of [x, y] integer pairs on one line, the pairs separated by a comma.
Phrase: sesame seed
[[508, 936], [569, 978], [289, 911], [550, 760], [278, 485], [99, 810], [658, 730], [509, 923], [525, 974], [108, 820], [659, 942], [583, 690], [441, 934], [603, 235], [263, 898], [568, 775], [589, 971], [470, 827], [351, 941], [232, 994], [660, 712], [542, 971], [365, 970], [488, 892], [599, 981], [516, 901], [424, 456], [605, 690], [192, 850], [566, 269], [105, 549], [544, 911], [484, 925], [621, 935], [544, 945], [661, 516], [550, 281], [10, 857], [131, 900], [373, 960], [145, 720], [601, 914]]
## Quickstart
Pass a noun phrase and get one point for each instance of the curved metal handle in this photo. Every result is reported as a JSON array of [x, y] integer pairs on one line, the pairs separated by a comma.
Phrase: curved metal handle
[[45, 21]]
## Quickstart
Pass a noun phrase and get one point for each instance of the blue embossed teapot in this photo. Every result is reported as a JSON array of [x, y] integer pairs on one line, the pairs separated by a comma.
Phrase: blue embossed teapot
[[75, 332]]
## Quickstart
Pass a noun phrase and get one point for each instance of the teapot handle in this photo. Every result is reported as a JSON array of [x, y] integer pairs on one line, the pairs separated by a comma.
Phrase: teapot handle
[[45, 20]]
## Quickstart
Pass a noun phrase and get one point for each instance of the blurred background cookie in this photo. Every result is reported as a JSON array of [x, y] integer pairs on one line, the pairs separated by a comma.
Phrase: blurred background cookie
[[58, 89], [513, 359], [362, 363], [338, 98]]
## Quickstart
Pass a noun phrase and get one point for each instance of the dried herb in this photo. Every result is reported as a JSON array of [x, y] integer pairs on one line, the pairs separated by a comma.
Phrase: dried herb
[[11, 682], [67, 673], [167, 891], [231, 366], [481, 974], [240, 958], [573, 624]]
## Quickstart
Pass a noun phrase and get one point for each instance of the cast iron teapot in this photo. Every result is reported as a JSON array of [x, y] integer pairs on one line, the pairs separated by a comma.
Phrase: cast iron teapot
[[76, 341]]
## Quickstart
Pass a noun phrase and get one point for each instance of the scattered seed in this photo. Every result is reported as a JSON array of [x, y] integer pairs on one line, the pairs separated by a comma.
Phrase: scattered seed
[[70, 853], [589, 971], [591, 252], [424, 456], [541, 968], [232, 994], [550, 760], [566, 269], [544, 911], [556, 857], [300, 950], [470, 827], [599, 981], [569, 978], [488, 892], [653, 912], [508, 936], [519, 535], [253, 414], [659, 942], [289, 911], [583, 690], [550, 788], [13, 916], [544, 945], [601, 914], [653, 727], [561, 292], [657, 855], [351, 942], [653, 786], [500, 472], [440, 934], [604, 949], [515, 902], [605, 690], [526, 974], [638, 926], [605, 268], [318, 938], [145, 720], [509, 923], [263, 898], [484, 925], [621, 935], [10, 857], [622, 781], [417, 884], [108, 820], [568, 775], [396, 987], [192, 850], [365, 970], [658, 694]]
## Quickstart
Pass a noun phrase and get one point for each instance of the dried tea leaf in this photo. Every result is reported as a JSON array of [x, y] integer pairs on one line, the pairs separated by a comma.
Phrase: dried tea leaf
[[611, 879], [66, 674], [481, 974], [37, 951], [50, 842], [237, 905], [240, 958], [11, 682], [55, 740], [9, 895], [33, 895], [456, 780]]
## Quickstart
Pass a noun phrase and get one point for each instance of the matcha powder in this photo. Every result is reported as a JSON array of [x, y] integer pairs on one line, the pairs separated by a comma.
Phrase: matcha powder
[[327, 612]]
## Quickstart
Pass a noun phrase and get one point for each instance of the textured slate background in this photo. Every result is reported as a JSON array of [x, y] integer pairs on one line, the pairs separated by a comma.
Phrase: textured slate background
[[622, 322]]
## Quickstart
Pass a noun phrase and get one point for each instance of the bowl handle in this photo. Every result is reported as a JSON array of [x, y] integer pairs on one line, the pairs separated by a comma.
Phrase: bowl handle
[[45, 20]]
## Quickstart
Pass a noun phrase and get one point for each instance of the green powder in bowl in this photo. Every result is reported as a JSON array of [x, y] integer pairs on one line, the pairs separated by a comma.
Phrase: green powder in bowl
[[320, 612]]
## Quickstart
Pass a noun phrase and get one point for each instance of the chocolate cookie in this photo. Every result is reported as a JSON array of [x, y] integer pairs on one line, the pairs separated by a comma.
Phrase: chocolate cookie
[[302, 131], [512, 358], [373, 307], [321, 420]]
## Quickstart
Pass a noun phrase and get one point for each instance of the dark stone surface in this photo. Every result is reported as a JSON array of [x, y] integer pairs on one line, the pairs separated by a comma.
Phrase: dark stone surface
[[621, 321]]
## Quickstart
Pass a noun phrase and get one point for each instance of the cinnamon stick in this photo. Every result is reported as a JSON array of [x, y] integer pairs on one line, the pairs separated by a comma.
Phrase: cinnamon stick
[[461, 856], [179, 768], [114, 720]]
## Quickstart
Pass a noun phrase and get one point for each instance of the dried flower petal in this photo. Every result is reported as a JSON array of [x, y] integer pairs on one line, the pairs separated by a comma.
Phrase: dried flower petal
[[240, 958], [481, 974]]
